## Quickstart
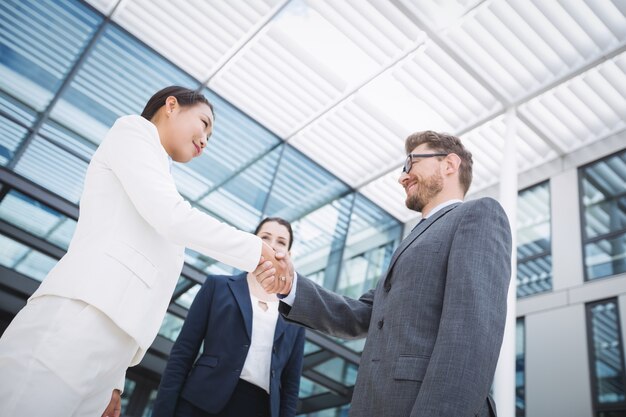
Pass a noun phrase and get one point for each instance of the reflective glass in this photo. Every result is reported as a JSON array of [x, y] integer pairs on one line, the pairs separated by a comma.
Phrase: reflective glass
[[339, 370], [39, 44], [129, 388], [54, 168], [603, 196], [607, 353], [520, 369], [240, 201], [24, 260], [117, 78], [15, 118], [309, 388], [36, 218], [301, 186], [372, 238], [186, 298], [171, 326], [534, 252], [314, 235]]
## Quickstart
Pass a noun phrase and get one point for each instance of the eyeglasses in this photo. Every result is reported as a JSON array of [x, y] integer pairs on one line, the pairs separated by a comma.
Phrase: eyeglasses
[[408, 163]]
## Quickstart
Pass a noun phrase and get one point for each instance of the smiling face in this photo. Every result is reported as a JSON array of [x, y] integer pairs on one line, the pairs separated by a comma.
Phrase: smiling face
[[184, 130], [424, 182], [276, 235]]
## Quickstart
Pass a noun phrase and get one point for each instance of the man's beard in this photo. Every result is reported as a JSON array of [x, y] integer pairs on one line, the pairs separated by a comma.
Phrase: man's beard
[[425, 190]]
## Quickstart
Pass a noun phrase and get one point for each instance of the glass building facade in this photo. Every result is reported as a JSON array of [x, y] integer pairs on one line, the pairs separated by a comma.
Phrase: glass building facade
[[66, 74]]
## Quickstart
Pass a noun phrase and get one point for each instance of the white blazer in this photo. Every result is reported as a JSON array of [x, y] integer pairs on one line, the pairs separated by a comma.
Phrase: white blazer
[[128, 248]]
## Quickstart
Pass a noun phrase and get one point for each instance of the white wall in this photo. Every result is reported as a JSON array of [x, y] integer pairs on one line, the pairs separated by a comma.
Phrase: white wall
[[557, 369]]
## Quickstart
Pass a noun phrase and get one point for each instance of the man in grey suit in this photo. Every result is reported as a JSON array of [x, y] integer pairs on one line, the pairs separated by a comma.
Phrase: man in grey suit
[[435, 321]]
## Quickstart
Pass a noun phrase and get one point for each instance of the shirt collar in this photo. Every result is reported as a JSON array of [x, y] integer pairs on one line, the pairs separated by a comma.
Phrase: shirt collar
[[443, 205]]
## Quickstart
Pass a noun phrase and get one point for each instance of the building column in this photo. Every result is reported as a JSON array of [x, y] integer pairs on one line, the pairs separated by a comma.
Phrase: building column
[[504, 379]]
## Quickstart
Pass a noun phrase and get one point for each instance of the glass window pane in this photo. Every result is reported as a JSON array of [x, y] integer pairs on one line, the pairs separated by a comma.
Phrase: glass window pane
[[171, 326], [36, 218], [129, 388], [309, 388], [534, 259], [53, 168], [603, 198], [241, 200], [371, 240], [301, 186], [520, 369], [39, 44], [24, 260], [339, 370], [607, 352], [15, 118], [117, 78]]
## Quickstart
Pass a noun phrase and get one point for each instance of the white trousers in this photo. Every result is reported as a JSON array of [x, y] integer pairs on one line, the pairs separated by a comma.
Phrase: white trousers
[[59, 358]]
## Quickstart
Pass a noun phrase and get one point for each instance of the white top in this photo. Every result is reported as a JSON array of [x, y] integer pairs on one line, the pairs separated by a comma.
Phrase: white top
[[256, 368]]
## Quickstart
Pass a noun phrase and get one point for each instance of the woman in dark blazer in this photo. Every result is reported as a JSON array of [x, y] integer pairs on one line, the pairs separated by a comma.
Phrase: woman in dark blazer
[[252, 359]]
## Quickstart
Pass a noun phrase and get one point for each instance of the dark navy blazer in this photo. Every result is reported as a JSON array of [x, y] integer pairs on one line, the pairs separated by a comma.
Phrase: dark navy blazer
[[221, 317]]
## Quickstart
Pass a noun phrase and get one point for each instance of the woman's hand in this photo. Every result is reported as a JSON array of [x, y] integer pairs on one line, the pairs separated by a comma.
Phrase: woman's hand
[[115, 405]]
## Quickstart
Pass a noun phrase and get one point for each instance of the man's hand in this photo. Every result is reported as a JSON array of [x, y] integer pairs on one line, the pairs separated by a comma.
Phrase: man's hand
[[274, 282], [115, 405]]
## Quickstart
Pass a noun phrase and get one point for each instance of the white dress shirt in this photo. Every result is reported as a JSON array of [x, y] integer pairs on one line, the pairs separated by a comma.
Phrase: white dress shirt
[[256, 368]]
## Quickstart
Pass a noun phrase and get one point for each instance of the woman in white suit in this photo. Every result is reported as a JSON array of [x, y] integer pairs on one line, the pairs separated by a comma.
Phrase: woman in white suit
[[100, 307]]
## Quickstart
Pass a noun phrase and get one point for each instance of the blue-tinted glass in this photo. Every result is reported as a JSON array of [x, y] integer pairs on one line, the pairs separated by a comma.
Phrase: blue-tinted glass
[[24, 260], [608, 362], [534, 260], [301, 186], [129, 388], [240, 201], [606, 257], [53, 168], [188, 296], [39, 43], [309, 388], [118, 77], [15, 118], [36, 218], [372, 237], [315, 233], [520, 369], [171, 326], [534, 275], [339, 370], [237, 141], [603, 197]]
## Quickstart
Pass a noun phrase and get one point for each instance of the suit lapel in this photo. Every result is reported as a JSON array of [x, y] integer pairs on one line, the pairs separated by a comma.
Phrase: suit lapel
[[421, 228], [281, 326], [239, 287]]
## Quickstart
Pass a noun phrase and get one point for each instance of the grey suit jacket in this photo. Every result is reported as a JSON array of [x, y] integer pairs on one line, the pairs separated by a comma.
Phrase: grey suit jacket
[[434, 323]]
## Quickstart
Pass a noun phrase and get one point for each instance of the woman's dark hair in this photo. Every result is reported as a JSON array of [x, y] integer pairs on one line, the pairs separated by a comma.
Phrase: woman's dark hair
[[280, 221], [185, 97]]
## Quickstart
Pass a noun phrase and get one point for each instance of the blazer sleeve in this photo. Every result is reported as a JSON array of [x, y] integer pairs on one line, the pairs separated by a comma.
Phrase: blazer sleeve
[[471, 328], [133, 151], [290, 377], [184, 352], [317, 308]]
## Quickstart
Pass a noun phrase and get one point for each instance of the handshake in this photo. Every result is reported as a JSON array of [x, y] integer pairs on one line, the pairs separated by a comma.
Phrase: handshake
[[275, 271]]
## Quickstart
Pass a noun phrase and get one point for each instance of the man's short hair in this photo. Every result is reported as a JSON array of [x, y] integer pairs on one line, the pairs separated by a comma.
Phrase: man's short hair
[[444, 143]]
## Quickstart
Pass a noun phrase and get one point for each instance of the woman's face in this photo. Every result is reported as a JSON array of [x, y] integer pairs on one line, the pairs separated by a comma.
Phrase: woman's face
[[276, 235], [184, 131]]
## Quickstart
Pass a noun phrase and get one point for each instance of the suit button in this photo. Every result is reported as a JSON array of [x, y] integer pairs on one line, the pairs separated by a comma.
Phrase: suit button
[[381, 323], [274, 349], [246, 346], [273, 373], [237, 371]]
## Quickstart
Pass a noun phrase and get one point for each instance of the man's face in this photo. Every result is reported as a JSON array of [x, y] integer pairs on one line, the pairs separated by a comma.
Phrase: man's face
[[423, 181]]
